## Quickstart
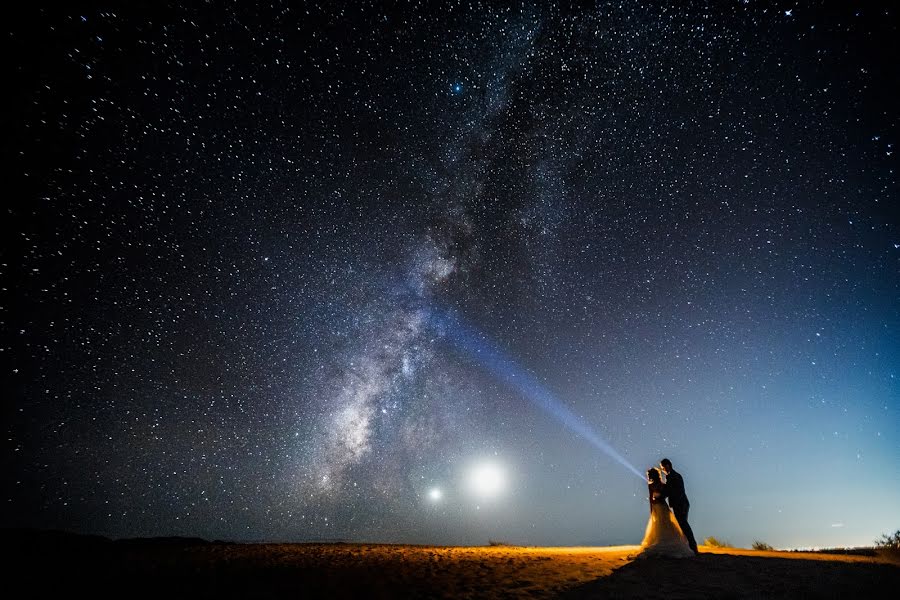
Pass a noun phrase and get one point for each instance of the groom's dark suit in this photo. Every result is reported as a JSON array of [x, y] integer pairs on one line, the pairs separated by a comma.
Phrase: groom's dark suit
[[678, 500]]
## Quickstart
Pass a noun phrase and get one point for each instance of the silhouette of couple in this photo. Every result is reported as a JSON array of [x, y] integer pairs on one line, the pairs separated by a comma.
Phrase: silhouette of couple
[[668, 532]]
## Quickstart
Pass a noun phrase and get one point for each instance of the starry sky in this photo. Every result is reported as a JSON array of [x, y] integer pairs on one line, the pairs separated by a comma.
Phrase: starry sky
[[451, 273]]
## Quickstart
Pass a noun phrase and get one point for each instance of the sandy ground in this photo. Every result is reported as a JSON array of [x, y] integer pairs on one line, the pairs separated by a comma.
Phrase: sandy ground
[[185, 568]]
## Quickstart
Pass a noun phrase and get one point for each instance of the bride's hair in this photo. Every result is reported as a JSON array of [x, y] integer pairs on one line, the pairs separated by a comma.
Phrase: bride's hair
[[653, 474]]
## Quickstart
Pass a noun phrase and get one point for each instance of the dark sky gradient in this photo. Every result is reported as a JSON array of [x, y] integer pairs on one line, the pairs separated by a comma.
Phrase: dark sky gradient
[[232, 230]]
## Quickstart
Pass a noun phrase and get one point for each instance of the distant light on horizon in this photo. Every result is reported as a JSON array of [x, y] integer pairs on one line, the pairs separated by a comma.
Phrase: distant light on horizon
[[435, 494], [487, 480]]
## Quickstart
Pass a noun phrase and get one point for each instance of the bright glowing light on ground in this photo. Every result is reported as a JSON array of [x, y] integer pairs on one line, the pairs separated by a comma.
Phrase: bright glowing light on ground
[[487, 480], [435, 494]]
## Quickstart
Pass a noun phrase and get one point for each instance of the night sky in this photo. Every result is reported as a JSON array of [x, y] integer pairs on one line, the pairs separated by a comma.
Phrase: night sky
[[409, 272]]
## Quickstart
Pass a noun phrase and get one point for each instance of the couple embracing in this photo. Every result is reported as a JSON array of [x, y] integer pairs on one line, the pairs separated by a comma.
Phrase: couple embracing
[[668, 532]]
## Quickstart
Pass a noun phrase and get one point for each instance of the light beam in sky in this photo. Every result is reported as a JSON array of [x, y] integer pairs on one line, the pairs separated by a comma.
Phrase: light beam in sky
[[482, 350]]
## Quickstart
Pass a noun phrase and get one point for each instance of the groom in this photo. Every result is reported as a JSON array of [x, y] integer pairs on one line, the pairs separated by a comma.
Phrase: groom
[[678, 500]]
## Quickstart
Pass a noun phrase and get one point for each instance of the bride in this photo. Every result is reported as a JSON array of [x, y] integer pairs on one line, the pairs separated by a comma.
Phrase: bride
[[663, 536]]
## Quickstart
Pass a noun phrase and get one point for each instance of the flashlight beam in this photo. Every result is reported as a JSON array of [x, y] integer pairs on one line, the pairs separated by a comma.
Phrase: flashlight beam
[[486, 354]]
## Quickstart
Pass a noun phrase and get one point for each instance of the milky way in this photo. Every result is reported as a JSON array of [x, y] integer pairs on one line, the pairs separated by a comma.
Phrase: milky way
[[231, 226]]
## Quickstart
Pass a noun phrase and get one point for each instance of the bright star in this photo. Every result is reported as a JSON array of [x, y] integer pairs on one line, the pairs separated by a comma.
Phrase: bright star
[[435, 494]]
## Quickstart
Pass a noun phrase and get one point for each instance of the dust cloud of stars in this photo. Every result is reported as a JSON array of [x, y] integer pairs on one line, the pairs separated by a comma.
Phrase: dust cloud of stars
[[229, 226]]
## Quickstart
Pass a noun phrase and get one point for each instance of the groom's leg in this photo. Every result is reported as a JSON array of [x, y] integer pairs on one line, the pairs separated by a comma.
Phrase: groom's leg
[[681, 516]]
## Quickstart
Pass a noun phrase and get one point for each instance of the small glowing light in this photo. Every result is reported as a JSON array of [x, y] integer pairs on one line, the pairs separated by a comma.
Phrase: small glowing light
[[435, 494], [487, 480]]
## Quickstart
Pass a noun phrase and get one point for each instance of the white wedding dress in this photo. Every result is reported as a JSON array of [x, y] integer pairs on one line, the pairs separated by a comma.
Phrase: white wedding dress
[[663, 536]]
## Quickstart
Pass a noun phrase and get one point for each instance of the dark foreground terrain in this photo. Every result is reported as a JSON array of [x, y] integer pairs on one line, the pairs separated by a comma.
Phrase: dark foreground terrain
[[55, 564]]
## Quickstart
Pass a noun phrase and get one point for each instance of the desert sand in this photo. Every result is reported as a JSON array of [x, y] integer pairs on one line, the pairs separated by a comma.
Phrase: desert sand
[[48, 564]]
